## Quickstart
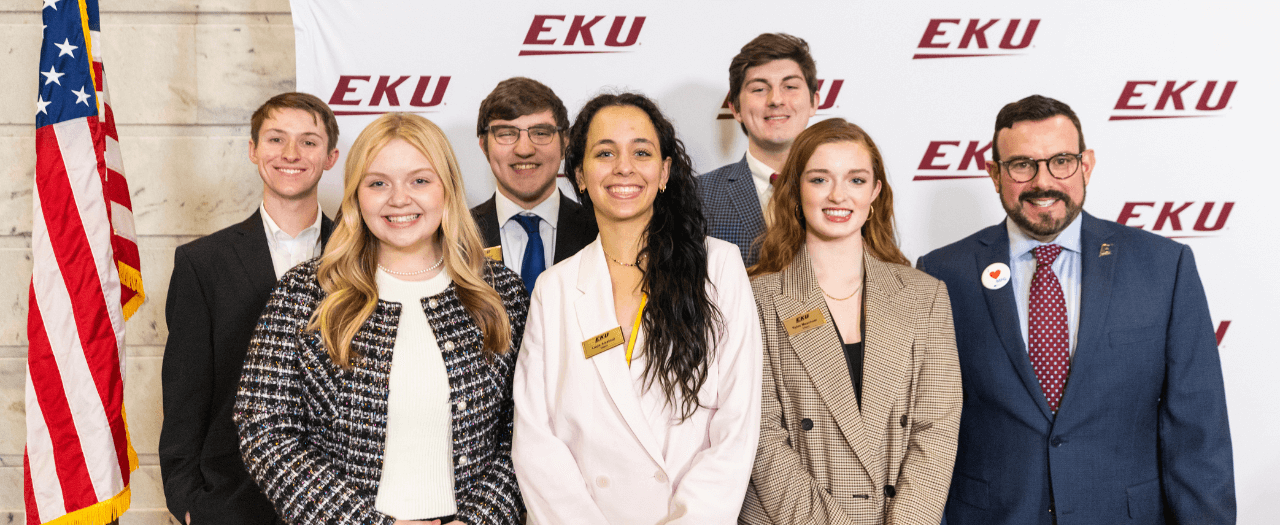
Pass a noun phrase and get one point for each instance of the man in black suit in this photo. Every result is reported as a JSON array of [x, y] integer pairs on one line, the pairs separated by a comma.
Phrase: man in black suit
[[219, 286], [521, 131]]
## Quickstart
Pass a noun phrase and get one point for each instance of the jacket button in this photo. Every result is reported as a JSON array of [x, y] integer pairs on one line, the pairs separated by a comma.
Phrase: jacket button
[[1057, 442], [903, 422], [602, 482], [448, 346], [433, 304], [806, 424], [462, 405], [890, 491], [462, 460], [660, 476]]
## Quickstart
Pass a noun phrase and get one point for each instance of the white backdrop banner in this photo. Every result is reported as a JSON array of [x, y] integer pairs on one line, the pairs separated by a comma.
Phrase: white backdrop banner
[[1178, 99]]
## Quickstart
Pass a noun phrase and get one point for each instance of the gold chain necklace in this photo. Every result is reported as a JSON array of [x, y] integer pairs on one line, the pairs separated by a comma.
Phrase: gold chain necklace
[[845, 298], [620, 263]]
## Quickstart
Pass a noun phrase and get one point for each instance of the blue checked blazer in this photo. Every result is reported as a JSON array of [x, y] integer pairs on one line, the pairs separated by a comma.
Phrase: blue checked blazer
[[1141, 435], [732, 207]]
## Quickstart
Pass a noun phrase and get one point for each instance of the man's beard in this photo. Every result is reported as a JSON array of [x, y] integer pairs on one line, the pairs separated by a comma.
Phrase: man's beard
[[1043, 226]]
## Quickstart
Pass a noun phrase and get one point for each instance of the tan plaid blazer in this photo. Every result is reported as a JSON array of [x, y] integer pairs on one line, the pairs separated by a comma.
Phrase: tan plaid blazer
[[821, 459]]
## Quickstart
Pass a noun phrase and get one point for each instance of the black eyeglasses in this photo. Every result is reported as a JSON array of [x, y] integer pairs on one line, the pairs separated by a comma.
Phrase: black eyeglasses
[[1061, 166], [508, 135]]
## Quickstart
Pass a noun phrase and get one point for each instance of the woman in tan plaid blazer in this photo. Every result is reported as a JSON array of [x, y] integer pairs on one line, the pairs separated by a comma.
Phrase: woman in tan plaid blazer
[[853, 430]]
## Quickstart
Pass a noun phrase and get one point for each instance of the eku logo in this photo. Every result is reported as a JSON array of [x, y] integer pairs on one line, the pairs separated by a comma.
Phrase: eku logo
[[1136, 99], [940, 160], [971, 40], [1168, 220], [553, 35], [384, 94]]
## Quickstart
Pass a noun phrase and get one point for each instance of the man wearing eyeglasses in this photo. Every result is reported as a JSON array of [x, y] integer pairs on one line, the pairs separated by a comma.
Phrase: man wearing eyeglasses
[[528, 224], [1093, 387]]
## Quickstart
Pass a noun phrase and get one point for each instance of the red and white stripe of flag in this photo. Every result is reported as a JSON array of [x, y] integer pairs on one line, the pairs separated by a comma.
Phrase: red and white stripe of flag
[[78, 458]]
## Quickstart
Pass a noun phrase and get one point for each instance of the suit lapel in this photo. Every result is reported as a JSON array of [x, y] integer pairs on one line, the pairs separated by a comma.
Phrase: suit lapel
[[326, 229], [887, 353], [576, 228], [1096, 273], [254, 253], [486, 216], [1004, 314], [595, 315], [745, 200], [821, 352]]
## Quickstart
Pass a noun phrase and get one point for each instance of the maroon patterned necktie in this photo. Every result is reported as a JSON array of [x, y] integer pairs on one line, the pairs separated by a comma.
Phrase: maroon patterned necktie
[[1047, 327]]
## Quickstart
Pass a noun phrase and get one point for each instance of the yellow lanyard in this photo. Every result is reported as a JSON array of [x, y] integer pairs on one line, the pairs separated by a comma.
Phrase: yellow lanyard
[[635, 328]]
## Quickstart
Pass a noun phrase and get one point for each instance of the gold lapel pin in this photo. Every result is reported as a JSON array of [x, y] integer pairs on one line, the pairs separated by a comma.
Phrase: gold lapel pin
[[1105, 251]]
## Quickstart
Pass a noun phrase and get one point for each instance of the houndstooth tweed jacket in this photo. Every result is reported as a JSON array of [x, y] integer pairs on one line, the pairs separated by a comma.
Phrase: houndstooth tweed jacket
[[821, 458], [312, 435]]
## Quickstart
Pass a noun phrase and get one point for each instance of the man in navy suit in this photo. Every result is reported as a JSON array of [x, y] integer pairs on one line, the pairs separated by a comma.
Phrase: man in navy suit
[[773, 92], [219, 286], [1092, 384], [528, 224]]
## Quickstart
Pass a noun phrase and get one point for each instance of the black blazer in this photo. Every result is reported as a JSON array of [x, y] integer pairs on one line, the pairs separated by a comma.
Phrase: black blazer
[[576, 230], [219, 286]]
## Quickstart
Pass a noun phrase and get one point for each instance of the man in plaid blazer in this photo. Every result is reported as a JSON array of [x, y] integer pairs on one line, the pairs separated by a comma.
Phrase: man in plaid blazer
[[1139, 434], [773, 91]]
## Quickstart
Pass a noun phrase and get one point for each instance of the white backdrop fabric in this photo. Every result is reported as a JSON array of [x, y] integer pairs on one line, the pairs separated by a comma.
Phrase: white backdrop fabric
[[926, 80]]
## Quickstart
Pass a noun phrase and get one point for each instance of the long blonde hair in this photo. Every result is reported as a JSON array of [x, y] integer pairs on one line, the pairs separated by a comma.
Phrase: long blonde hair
[[786, 233], [347, 267]]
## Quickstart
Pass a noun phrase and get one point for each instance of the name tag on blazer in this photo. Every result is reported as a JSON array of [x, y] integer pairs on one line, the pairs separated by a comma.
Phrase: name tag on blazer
[[804, 322], [494, 253], [595, 345]]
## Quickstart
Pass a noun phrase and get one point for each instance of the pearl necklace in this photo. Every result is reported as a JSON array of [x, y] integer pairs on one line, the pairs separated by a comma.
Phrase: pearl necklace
[[411, 274]]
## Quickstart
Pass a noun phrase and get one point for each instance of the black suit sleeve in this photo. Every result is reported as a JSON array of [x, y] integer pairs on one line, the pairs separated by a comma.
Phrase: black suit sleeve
[[187, 377]]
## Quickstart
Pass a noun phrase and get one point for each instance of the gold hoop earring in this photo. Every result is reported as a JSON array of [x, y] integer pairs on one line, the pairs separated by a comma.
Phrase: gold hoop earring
[[871, 211]]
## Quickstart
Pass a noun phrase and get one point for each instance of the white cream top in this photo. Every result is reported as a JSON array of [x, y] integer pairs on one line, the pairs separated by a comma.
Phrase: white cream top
[[417, 465]]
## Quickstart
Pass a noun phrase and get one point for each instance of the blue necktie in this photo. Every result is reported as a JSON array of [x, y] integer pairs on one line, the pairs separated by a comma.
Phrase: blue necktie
[[535, 260]]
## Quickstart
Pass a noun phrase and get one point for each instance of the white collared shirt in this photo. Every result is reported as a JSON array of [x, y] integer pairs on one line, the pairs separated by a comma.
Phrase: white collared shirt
[[760, 174], [514, 238], [287, 251], [1022, 266]]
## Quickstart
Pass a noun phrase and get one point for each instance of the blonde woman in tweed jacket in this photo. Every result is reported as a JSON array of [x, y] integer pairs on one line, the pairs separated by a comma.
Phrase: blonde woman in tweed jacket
[[377, 387], [853, 430]]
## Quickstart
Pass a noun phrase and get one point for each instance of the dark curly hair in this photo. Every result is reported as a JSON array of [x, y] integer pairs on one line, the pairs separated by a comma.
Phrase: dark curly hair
[[680, 320]]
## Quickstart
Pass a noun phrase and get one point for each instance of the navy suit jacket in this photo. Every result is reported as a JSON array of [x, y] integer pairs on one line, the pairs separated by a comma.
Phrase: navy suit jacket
[[577, 228], [1141, 435], [732, 207], [219, 286]]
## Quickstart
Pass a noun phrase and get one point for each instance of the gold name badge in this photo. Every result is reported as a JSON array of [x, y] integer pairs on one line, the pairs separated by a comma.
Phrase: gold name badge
[[595, 345], [804, 322], [494, 253]]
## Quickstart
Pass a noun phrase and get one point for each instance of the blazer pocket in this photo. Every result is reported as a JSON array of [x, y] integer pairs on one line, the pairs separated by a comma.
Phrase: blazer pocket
[[1144, 499], [972, 490]]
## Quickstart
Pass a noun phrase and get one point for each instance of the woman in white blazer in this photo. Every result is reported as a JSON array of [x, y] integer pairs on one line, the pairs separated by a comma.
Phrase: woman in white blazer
[[637, 388]]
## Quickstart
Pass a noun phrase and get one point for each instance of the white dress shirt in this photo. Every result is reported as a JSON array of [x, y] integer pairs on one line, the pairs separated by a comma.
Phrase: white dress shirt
[[417, 466], [288, 251], [1022, 266], [514, 238], [760, 174]]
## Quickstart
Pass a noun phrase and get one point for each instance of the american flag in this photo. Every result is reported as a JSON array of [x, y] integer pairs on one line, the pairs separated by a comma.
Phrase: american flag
[[85, 282]]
